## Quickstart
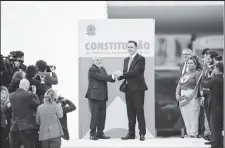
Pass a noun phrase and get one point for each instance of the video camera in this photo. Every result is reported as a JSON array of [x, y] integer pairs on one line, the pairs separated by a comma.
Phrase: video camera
[[8, 66]]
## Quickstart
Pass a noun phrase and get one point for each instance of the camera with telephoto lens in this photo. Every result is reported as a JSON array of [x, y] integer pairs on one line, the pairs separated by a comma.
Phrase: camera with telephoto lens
[[49, 67]]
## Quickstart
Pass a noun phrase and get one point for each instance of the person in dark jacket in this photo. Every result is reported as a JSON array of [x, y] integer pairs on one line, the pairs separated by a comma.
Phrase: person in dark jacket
[[205, 92], [40, 85], [5, 117], [14, 85], [23, 130], [215, 84], [67, 107], [97, 95], [50, 78]]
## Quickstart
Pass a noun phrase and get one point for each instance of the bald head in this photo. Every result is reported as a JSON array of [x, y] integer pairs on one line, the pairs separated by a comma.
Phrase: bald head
[[24, 84], [97, 60]]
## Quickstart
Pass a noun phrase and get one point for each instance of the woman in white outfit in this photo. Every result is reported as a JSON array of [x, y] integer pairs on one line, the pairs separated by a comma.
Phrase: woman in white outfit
[[186, 94]]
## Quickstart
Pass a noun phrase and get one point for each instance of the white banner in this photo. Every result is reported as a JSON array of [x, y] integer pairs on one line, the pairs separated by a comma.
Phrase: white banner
[[109, 38]]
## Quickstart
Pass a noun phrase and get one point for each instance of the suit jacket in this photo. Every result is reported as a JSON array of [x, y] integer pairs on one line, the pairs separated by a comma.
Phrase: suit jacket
[[135, 75], [48, 118], [181, 68], [97, 87], [216, 87], [23, 105], [66, 109], [40, 87], [49, 80]]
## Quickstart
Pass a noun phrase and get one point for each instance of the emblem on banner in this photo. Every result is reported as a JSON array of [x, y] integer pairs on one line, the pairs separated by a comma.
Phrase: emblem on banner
[[91, 30]]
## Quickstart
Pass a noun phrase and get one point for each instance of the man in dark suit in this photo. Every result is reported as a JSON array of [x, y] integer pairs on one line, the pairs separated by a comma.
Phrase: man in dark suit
[[97, 95], [204, 130], [23, 129], [205, 92], [134, 87], [215, 84], [31, 72]]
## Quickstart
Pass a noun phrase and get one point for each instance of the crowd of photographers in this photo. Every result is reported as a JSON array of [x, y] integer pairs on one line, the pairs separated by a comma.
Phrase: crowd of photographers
[[32, 114]]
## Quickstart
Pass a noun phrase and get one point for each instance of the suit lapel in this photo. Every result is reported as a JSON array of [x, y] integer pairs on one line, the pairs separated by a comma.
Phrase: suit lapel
[[133, 61]]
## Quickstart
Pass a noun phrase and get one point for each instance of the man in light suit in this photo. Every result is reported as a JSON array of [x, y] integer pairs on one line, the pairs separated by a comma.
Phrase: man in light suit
[[134, 87], [97, 95]]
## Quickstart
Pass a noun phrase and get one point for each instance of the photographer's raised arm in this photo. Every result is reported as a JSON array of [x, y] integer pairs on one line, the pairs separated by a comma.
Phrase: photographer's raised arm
[[71, 107], [34, 101], [51, 80]]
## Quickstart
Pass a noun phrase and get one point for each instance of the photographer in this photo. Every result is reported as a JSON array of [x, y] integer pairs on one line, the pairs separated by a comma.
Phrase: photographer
[[11, 64], [48, 73], [14, 85], [18, 58], [30, 75], [67, 106]]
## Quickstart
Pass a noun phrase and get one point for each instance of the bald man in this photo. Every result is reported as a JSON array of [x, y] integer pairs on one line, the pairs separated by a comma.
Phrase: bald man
[[97, 95], [23, 129]]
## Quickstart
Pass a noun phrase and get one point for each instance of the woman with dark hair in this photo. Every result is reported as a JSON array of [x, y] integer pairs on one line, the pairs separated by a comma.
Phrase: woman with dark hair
[[14, 85], [186, 94]]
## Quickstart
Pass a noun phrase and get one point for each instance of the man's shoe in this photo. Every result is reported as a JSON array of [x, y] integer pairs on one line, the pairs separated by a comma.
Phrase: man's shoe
[[93, 137], [102, 136], [142, 138], [128, 136]]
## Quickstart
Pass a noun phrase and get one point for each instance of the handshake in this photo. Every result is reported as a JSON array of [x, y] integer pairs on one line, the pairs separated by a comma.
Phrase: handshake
[[117, 74]]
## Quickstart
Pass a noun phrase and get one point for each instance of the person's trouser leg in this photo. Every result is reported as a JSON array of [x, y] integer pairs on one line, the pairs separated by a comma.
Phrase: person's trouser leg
[[206, 124], [94, 109], [28, 138], [185, 115], [217, 127], [55, 142], [15, 140], [138, 103], [102, 117], [201, 126], [194, 110], [130, 113]]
